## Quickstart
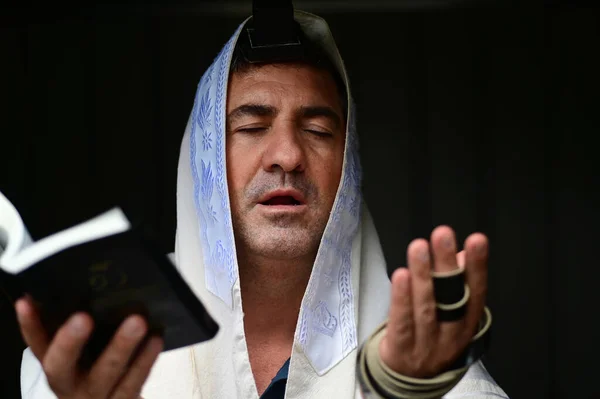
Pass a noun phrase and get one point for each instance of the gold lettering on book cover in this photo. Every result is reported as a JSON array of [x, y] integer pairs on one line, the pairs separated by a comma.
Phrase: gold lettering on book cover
[[104, 276]]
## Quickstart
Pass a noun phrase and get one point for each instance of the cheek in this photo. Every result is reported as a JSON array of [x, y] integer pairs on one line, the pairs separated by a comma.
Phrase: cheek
[[239, 170], [329, 175]]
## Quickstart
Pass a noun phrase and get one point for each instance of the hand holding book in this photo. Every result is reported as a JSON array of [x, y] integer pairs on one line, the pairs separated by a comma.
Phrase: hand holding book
[[102, 273], [119, 372]]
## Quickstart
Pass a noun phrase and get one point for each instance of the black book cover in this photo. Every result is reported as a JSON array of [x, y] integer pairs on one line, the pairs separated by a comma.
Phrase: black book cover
[[111, 278], [10, 289]]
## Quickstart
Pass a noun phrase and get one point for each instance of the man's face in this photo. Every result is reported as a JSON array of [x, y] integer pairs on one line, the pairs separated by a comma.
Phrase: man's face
[[285, 149]]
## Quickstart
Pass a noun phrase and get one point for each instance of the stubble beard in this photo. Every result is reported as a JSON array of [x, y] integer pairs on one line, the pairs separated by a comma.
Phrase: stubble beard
[[283, 237]]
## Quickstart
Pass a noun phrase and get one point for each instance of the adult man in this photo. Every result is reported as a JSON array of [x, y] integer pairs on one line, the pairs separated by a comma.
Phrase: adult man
[[269, 211]]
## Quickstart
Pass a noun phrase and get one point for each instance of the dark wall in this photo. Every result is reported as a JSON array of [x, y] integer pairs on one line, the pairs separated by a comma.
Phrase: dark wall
[[480, 118]]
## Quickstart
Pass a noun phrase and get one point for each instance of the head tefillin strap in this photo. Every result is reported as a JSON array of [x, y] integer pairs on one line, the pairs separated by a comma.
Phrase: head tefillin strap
[[271, 34]]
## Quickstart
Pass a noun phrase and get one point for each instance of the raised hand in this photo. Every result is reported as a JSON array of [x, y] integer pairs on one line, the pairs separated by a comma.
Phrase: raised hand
[[416, 343], [112, 376]]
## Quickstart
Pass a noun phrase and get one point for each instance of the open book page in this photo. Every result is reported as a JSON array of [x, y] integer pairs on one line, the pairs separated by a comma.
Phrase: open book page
[[19, 255], [13, 233]]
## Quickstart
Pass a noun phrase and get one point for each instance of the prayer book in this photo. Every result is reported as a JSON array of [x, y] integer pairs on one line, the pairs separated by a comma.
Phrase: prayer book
[[104, 266]]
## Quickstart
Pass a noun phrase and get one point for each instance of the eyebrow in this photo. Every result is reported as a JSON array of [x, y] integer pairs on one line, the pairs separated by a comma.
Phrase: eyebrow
[[251, 110]]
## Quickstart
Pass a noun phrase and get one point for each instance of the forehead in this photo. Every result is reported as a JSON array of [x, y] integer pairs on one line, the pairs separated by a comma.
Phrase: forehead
[[282, 84]]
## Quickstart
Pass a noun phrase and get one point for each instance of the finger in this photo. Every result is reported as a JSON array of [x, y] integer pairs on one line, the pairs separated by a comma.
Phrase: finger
[[132, 382], [424, 311], [443, 243], [31, 327], [112, 363], [60, 362], [460, 258], [400, 333], [476, 275]]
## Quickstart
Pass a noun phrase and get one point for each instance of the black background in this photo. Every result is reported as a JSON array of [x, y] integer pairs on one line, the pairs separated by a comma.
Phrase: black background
[[481, 116]]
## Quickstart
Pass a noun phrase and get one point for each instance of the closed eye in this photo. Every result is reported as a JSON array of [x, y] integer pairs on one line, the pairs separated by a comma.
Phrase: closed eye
[[252, 129], [319, 133]]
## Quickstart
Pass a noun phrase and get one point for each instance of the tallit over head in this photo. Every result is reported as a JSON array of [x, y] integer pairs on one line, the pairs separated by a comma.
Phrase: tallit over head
[[327, 326]]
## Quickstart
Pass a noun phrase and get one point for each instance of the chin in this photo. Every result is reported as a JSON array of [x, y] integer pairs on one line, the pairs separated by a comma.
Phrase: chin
[[282, 243]]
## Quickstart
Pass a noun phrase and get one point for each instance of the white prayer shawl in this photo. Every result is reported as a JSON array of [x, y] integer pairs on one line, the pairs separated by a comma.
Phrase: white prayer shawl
[[347, 296]]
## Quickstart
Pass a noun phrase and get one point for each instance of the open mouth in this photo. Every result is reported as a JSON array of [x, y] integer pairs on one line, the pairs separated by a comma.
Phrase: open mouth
[[282, 200]]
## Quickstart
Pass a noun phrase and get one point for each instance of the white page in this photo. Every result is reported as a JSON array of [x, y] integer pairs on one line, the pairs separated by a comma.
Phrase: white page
[[13, 234], [19, 252]]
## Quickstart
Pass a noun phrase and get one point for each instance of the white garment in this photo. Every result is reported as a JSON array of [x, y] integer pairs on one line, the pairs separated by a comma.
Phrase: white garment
[[347, 296]]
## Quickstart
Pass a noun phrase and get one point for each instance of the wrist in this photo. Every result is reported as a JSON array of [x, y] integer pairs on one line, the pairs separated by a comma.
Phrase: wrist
[[377, 380]]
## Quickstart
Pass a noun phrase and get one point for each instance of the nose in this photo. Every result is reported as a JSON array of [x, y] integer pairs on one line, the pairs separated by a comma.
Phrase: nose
[[284, 149]]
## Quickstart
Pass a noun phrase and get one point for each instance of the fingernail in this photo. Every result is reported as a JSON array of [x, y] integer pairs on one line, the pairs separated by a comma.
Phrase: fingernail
[[447, 242], [133, 328], [423, 254], [77, 326]]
